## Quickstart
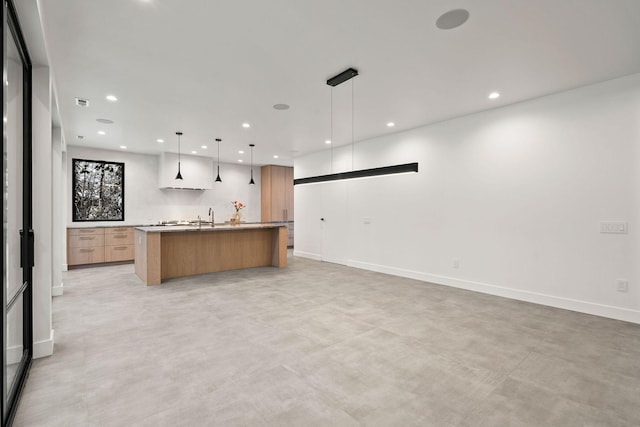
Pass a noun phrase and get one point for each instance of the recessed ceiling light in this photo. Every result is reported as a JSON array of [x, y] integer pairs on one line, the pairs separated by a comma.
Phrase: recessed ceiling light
[[391, 124], [452, 19], [105, 121], [101, 132], [240, 152], [194, 152], [239, 160], [494, 95], [281, 107], [160, 140], [328, 141], [111, 98], [203, 147], [124, 147], [246, 125], [275, 156]]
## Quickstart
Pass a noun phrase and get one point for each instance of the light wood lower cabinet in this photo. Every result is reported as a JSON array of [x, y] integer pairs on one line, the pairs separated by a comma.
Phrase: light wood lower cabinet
[[99, 245]]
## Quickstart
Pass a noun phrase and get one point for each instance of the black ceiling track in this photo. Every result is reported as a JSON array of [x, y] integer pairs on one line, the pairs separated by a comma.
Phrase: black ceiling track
[[342, 77]]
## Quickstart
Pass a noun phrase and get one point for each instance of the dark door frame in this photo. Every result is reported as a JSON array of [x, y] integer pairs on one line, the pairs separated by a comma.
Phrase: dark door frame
[[12, 392]]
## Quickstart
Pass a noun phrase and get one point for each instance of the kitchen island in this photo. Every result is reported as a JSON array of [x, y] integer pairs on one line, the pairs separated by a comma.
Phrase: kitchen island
[[166, 252]]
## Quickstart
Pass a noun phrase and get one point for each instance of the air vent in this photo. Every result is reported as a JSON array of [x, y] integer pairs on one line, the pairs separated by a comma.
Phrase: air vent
[[82, 102], [80, 136]]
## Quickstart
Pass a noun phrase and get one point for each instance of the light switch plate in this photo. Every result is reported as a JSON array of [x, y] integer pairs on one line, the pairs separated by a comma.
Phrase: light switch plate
[[614, 227]]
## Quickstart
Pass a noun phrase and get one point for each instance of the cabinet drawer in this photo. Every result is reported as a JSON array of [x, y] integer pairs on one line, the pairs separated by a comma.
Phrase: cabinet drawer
[[86, 231], [118, 230], [118, 253], [118, 239], [88, 241], [79, 256]]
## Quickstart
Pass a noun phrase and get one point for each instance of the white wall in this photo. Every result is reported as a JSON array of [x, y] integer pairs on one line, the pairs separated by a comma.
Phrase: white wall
[[516, 194], [42, 213], [145, 203]]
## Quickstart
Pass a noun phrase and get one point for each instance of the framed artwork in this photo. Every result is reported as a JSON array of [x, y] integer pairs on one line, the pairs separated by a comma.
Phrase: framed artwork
[[98, 190]]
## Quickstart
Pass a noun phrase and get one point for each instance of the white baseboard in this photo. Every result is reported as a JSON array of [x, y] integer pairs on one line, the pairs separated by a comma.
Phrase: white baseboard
[[43, 348], [14, 354], [56, 291], [309, 255], [602, 310]]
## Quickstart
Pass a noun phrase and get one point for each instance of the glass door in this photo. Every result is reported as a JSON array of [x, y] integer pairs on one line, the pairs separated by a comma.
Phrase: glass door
[[17, 221]]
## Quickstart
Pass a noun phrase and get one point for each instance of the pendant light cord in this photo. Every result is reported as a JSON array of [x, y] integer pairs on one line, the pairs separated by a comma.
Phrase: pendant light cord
[[352, 123], [331, 140]]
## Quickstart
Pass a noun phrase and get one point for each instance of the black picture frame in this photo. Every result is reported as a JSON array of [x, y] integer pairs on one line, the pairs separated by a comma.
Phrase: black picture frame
[[98, 190]]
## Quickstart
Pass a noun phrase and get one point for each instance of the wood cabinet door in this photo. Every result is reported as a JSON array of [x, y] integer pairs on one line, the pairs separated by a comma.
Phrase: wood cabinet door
[[288, 193], [277, 193]]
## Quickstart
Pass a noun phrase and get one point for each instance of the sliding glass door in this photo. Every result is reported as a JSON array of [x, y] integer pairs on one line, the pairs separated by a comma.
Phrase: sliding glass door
[[17, 220]]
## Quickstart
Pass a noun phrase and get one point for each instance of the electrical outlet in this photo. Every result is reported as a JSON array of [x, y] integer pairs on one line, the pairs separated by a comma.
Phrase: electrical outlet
[[623, 285], [455, 263]]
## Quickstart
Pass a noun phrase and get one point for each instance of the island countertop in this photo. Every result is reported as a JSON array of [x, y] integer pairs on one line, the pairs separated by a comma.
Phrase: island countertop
[[164, 252], [207, 227]]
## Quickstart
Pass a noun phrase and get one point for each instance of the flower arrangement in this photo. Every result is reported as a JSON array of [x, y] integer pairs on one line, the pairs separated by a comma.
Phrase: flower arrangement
[[238, 205]]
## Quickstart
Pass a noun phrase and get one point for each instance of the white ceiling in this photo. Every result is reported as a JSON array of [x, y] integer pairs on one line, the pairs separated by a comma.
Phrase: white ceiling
[[204, 67]]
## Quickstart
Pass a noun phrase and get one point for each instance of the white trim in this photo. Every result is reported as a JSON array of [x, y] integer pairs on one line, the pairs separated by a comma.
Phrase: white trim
[[57, 291], [617, 313], [14, 354], [43, 348], [65, 267], [309, 255]]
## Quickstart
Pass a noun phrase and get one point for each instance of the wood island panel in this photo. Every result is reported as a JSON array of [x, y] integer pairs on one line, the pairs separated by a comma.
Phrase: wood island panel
[[166, 255]]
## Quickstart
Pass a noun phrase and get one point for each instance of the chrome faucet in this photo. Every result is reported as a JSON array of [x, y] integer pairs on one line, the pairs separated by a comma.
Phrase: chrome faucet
[[211, 216]]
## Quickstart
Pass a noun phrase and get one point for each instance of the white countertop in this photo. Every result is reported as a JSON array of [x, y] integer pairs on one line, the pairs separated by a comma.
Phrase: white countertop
[[207, 227]]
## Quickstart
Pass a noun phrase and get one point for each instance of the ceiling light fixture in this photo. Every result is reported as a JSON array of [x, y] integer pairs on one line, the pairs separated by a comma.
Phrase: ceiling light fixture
[[160, 140], [218, 179], [101, 132], [111, 98], [240, 160], [275, 156], [246, 125], [179, 175], [194, 152], [124, 147], [494, 95], [251, 181], [240, 152], [204, 147], [362, 173], [390, 124], [328, 141]]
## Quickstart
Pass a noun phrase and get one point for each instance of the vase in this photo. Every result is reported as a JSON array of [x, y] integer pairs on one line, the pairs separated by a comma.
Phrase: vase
[[236, 218]]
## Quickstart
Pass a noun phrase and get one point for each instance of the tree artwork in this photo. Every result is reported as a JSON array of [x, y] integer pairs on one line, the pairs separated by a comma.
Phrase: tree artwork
[[98, 190]]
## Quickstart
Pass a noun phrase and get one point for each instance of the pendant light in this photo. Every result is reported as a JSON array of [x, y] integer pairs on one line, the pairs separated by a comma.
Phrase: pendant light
[[218, 179], [252, 182], [362, 173], [179, 175]]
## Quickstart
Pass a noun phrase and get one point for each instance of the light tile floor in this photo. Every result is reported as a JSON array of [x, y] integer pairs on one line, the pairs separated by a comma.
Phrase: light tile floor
[[326, 345]]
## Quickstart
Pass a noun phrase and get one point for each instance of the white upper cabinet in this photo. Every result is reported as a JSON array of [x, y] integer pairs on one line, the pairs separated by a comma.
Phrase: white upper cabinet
[[197, 172]]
